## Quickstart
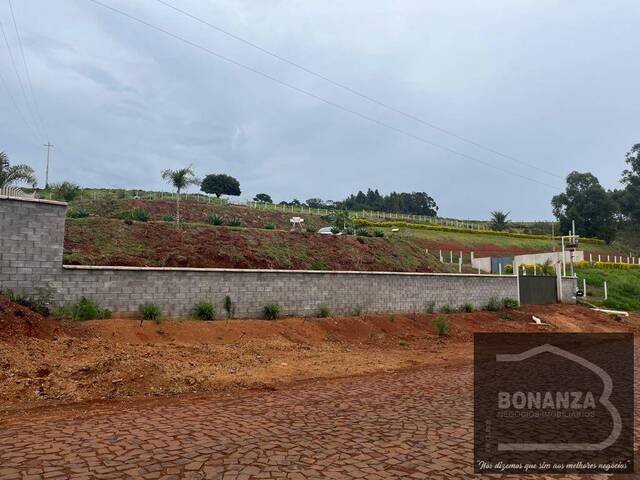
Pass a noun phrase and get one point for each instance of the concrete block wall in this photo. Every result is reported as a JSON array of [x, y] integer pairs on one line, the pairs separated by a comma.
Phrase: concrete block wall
[[31, 249], [31, 243], [302, 293]]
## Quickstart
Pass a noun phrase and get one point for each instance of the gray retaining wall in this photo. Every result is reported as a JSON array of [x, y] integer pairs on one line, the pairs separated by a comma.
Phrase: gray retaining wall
[[31, 248]]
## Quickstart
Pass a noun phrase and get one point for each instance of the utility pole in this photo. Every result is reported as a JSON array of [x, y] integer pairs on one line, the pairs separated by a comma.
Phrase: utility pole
[[46, 177]]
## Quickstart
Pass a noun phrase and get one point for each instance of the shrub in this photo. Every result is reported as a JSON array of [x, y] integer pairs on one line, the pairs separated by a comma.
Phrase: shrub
[[441, 324], [310, 229], [84, 309], [229, 307], [505, 315], [205, 311], [362, 232], [467, 307], [378, 233], [357, 311], [169, 218], [349, 231], [447, 309], [270, 226], [324, 311], [318, 265], [215, 220], [78, 213], [507, 269], [150, 311], [39, 302], [430, 307], [335, 230], [65, 191], [271, 311], [234, 222], [140, 215], [493, 305], [510, 303]]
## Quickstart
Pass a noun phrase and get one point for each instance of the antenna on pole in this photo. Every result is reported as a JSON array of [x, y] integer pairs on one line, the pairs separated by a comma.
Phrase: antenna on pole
[[46, 176]]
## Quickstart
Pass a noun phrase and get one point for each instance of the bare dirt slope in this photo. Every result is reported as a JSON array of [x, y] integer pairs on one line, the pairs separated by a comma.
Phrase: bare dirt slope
[[44, 363]]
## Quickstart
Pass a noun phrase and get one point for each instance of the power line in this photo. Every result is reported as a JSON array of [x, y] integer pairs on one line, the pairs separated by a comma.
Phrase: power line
[[15, 69], [15, 104], [357, 92], [321, 99], [26, 69]]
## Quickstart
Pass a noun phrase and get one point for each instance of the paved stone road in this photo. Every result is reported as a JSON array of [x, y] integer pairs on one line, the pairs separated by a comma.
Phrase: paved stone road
[[399, 425]]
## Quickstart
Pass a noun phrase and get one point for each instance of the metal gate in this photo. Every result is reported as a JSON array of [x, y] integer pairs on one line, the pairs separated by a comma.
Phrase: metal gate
[[538, 290]]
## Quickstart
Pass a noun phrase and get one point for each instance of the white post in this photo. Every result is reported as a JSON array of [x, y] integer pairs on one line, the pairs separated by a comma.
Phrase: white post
[[535, 269], [606, 292], [584, 287], [599, 260], [441, 259], [590, 258], [450, 256], [500, 268], [608, 258], [472, 257], [460, 265]]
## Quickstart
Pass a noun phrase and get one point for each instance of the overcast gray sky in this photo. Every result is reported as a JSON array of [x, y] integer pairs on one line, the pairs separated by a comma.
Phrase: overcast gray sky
[[552, 83]]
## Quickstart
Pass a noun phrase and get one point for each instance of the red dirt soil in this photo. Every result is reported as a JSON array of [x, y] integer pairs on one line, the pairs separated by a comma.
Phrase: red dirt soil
[[44, 363], [102, 241]]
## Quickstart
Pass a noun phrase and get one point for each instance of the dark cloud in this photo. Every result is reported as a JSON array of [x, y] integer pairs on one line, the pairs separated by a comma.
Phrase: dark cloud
[[549, 83]]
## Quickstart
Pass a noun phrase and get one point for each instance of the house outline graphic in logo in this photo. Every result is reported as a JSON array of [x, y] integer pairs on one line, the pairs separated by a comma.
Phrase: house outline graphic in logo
[[604, 400]]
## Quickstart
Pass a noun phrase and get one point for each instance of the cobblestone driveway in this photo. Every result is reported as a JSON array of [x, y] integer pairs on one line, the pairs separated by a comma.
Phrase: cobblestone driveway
[[397, 425]]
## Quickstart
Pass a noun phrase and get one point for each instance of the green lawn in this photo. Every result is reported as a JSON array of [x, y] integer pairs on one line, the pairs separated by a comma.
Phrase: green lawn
[[623, 286]]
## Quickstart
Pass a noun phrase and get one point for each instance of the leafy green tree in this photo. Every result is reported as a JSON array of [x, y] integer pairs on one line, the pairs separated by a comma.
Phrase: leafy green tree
[[220, 184], [629, 197], [263, 197], [589, 205], [499, 220], [180, 179], [65, 191], [416, 203], [11, 175], [315, 203]]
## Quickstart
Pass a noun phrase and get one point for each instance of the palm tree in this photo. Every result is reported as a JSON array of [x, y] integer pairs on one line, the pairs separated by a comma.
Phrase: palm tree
[[499, 220], [180, 179], [10, 175]]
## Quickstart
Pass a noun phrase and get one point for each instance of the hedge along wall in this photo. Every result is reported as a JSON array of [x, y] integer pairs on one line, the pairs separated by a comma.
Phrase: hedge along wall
[[31, 247]]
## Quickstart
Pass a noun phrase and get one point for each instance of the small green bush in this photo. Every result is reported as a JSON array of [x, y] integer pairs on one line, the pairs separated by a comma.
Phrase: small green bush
[[84, 309], [271, 311], [362, 232], [169, 218], [65, 191], [467, 307], [234, 222], [349, 231], [215, 220], [324, 311], [357, 311], [229, 307], [447, 309], [311, 229], [140, 215], [378, 233], [430, 307], [441, 324], [150, 311], [318, 265], [205, 311], [270, 226], [493, 305], [510, 303], [78, 213], [38, 302]]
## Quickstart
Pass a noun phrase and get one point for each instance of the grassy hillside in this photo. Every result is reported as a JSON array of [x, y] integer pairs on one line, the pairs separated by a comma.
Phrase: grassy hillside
[[104, 237], [105, 241], [623, 286]]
